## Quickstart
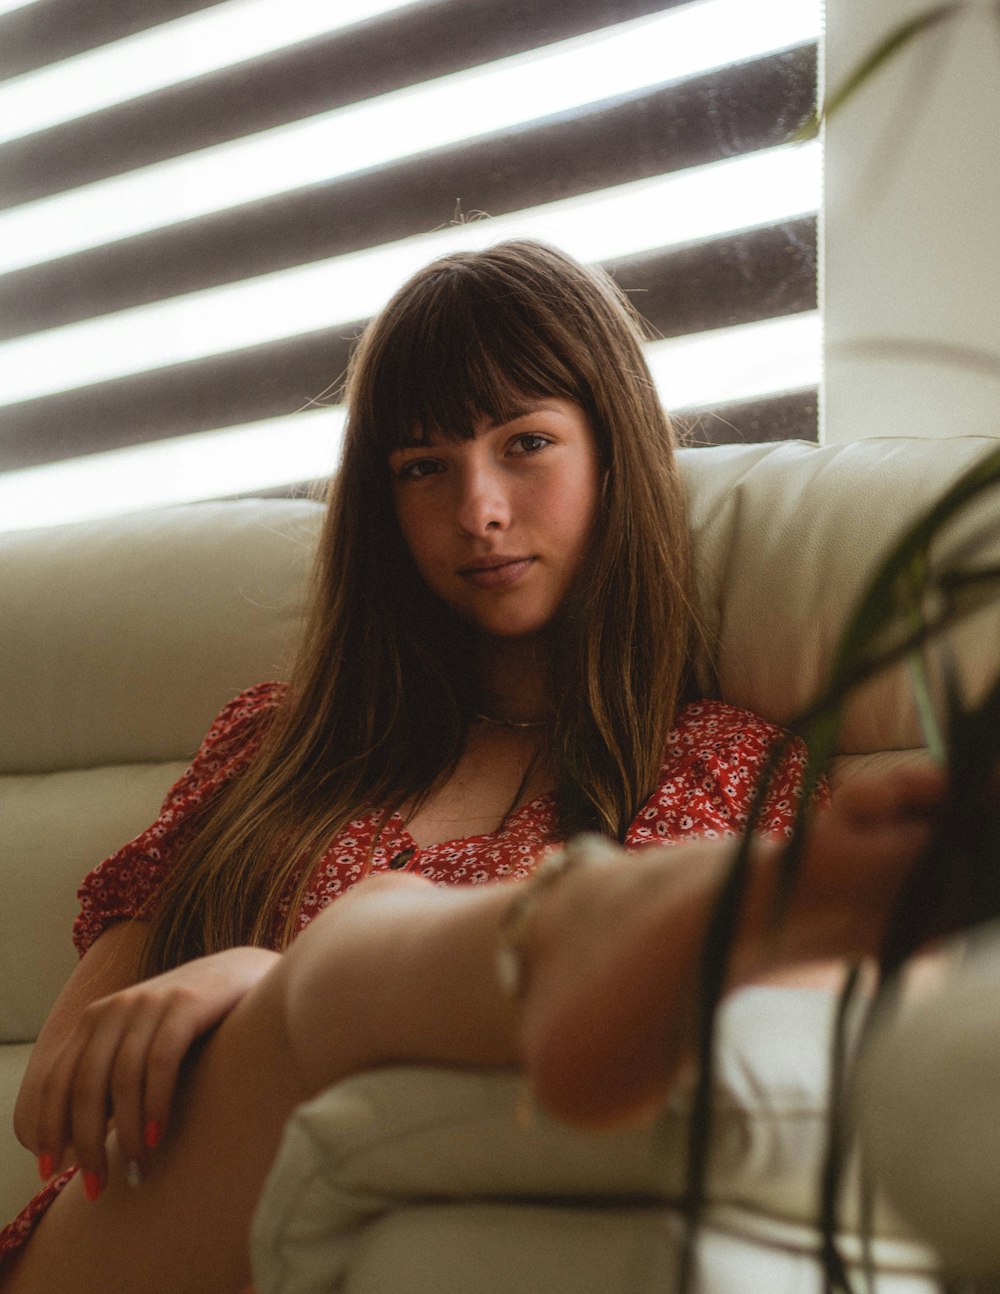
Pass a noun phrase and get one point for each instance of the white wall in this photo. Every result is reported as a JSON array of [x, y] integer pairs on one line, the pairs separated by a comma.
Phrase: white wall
[[910, 236]]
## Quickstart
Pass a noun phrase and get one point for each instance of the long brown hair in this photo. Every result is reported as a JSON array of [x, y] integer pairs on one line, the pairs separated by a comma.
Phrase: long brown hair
[[382, 690]]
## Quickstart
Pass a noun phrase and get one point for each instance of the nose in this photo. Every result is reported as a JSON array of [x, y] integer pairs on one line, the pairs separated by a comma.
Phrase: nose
[[483, 503]]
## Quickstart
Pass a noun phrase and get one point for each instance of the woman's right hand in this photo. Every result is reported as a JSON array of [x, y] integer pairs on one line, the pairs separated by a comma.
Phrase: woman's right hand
[[121, 1061]]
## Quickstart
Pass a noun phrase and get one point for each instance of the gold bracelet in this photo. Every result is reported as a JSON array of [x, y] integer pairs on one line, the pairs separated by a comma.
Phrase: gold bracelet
[[516, 922], [515, 928]]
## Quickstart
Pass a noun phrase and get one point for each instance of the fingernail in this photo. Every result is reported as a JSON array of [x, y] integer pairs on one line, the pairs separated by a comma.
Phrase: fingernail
[[152, 1134], [133, 1174], [91, 1185], [45, 1166]]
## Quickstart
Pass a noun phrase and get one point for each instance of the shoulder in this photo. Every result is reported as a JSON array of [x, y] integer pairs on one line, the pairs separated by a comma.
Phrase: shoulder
[[715, 755], [125, 884], [241, 718], [232, 738], [248, 707], [723, 748], [716, 727]]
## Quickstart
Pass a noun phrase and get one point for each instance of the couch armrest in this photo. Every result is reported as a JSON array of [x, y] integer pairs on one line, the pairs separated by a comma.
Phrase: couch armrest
[[415, 1175]]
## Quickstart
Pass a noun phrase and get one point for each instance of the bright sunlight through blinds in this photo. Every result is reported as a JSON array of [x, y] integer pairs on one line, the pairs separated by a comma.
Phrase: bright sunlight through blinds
[[197, 217]]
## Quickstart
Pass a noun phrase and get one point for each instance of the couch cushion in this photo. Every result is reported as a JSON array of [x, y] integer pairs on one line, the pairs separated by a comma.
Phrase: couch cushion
[[55, 827], [122, 638], [786, 538], [383, 1151], [498, 1247], [928, 1105]]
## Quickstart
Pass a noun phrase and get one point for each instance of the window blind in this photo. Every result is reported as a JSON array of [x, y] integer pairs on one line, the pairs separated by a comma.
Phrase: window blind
[[200, 206]]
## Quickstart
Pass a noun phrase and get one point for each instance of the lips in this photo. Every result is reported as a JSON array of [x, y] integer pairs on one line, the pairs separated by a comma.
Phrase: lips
[[495, 572]]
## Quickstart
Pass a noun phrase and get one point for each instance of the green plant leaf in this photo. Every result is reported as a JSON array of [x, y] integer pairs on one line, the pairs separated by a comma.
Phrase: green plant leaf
[[916, 659], [886, 49], [907, 602], [839, 1135]]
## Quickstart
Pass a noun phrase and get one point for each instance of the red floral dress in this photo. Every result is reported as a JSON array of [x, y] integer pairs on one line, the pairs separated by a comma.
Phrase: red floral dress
[[714, 756]]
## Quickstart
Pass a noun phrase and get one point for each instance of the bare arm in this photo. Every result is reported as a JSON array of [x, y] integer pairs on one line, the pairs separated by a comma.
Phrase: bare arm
[[110, 964], [611, 955], [401, 970], [113, 1047]]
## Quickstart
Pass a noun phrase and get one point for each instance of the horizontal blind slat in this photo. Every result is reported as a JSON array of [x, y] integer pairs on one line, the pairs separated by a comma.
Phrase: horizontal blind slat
[[50, 31], [420, 43], [762, 273], [702, 120], [708, 285], [790, 416], [758, 274]]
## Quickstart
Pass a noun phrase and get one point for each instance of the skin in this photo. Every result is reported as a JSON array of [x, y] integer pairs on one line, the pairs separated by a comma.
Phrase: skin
[[220, 1051], [469, 509], [611, 958], [525, 489]]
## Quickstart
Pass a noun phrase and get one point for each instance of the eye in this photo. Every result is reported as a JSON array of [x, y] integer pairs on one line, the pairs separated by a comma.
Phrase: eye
[[529, 442], [417, 468]]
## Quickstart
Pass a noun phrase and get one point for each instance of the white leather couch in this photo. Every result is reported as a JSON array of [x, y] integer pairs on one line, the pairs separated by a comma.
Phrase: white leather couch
[[118, 642]]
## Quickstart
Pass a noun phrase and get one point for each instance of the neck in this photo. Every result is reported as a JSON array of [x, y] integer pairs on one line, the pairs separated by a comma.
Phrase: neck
[[514, 678]]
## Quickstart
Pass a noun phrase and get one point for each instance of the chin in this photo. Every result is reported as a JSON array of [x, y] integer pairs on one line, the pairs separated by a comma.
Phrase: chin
[[513, 630], [510, 635], [511, 622]]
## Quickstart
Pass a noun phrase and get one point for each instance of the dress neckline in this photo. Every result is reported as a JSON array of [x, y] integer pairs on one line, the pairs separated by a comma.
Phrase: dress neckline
[[537, 806]]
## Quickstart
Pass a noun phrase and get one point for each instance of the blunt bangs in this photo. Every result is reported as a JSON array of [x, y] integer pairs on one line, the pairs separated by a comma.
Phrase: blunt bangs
[[469, 344]]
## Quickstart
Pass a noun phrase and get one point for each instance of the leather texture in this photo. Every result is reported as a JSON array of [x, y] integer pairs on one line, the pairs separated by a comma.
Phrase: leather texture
[[942, 1054], [119, 642], [428, 1180]]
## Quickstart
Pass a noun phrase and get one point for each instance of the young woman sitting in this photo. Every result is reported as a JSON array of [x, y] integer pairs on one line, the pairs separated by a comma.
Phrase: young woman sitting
[[497, 657]]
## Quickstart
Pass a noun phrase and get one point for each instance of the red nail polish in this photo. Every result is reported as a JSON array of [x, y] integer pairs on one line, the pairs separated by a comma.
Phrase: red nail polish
[[152, 1134], [91, 1185], [45, 1166]]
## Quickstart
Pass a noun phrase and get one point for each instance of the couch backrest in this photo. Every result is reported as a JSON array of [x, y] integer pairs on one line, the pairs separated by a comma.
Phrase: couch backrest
[[119, 642], [787, 537], [124, 636]]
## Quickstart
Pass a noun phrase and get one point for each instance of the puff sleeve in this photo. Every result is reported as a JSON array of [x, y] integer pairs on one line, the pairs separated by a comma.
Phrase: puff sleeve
[[715, 756], [126, 884]]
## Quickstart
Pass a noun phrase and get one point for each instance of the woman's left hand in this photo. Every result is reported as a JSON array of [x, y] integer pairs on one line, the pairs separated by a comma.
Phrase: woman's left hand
[[122, 1059]]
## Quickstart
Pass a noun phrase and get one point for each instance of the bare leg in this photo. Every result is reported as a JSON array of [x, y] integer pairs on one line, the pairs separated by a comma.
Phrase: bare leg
[[397, 970], [403, 971], [610, 1017], [186, 1227]]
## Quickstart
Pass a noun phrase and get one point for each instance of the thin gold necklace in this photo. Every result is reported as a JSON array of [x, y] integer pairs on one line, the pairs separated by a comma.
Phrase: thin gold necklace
[[510, 723]]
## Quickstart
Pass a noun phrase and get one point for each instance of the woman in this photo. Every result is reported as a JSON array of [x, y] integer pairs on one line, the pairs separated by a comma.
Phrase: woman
[[497, 657]]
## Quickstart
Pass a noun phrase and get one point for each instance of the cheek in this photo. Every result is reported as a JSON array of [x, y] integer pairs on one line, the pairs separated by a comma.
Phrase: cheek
[[575, 504], [417, 527]]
